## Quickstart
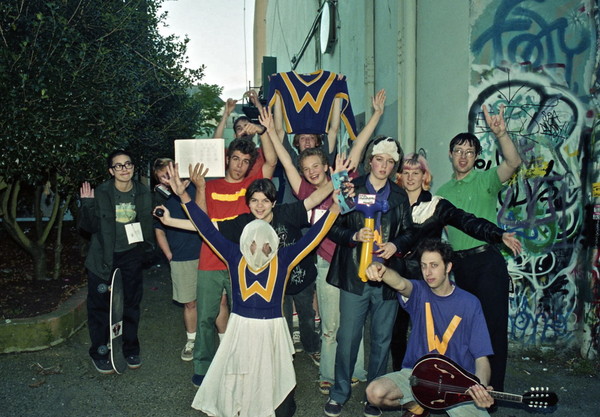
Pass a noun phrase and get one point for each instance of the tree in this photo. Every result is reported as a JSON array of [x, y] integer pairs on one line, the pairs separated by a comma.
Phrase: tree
[[79, 78]]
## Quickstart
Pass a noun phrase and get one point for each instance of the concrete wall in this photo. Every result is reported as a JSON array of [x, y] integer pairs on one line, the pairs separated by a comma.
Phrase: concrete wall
[[289, 22], [539, 59], [442, 80]]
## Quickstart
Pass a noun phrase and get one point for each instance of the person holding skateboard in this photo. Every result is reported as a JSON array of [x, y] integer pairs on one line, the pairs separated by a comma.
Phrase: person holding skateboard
[[118, 215]]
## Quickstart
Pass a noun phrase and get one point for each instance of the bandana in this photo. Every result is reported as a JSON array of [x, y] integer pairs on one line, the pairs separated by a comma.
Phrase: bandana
[[388, 146], [254, 237]]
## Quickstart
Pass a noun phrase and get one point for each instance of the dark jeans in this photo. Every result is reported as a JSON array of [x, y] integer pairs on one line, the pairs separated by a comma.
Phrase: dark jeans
[[306, 317], [288, 407], [98, 304], [485, 275]]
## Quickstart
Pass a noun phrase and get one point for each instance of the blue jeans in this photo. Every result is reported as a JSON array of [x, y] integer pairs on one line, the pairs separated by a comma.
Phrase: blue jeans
[[329, 311], [353, 314]]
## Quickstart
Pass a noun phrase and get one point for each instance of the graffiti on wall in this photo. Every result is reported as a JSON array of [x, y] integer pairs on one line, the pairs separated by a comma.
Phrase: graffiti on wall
[[536, 58]]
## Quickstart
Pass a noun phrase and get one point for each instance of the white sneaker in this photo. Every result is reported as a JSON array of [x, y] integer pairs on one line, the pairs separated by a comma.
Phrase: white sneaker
[[296, 340], [187, 354]]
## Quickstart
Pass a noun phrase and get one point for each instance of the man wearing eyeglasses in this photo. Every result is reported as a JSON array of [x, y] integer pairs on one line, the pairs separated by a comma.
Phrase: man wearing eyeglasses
[[478, 267], [118, 216]]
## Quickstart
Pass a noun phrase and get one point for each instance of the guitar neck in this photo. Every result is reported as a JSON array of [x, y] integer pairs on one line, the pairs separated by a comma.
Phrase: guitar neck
[[506, 396]]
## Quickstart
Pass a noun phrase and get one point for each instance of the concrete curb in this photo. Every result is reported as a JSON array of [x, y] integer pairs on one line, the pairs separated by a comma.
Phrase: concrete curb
[[41, 332]]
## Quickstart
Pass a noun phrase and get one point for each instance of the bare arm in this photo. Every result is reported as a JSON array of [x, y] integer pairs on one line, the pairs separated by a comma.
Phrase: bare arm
[[268, 153], [291, 172], [317, 196], [167, 220], [334, 124], [365, 134], [483, 371], [163, 244], [278, 119], [229, 106], [198, 177], [253, 97], [480, 393], [379, 272], [512, 160]]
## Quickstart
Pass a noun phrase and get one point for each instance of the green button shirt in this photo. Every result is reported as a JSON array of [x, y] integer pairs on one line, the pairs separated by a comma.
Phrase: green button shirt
[[477, 193]]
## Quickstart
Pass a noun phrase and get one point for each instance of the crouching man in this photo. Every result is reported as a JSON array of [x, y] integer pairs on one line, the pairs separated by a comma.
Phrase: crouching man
[[445, 320]]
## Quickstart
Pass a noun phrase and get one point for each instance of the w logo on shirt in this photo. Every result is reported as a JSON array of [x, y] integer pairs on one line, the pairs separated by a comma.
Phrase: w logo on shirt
[[433, 342]]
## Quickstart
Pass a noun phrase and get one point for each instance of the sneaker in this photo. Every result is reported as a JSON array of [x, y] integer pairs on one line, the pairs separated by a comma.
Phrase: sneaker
[[324, 387], [133, 361], [316, 358], [104, 366], [296, 340], [197, 380], [354, 381], [371, 410], [187, 354], [332, 408]]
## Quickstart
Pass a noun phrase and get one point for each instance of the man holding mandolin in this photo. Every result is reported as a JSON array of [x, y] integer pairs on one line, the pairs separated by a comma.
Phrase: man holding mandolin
[[445, 320]]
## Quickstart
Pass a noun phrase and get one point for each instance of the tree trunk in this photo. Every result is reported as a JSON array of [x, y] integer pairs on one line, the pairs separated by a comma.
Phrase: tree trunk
[[34, 247], [40, 264], [59, 246]]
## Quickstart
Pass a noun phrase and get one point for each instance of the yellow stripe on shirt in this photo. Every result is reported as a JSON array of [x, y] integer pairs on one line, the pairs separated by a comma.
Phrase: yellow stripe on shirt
[[308, 99], [256, 288]]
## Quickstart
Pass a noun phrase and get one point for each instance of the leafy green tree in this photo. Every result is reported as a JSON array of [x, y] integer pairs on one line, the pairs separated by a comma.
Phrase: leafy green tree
[[79, 78]]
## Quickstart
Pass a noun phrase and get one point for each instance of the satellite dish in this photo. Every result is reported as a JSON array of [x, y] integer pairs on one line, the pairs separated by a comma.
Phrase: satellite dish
[[327, 32]]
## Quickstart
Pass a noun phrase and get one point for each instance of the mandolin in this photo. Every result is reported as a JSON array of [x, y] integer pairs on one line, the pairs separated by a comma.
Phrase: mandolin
[[438, 383]]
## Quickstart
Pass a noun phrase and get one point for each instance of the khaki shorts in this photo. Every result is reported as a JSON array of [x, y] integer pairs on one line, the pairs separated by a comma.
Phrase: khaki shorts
[[402, 381], [184, 275]]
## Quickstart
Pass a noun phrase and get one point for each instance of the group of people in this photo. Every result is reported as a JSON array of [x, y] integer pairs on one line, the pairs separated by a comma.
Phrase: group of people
[[245, 251]]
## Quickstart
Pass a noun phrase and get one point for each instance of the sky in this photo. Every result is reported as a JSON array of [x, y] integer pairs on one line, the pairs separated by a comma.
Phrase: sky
[[216, 32]]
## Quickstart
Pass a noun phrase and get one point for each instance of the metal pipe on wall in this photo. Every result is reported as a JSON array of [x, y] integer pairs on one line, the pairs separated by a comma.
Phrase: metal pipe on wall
[[407, 74]]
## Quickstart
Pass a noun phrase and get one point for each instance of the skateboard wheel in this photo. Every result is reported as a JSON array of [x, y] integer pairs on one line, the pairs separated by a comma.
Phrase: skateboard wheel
[[102, 288], [103, 350]]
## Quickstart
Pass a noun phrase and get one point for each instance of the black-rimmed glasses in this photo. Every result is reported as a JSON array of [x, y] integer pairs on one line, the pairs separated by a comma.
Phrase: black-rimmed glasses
[[120, 167]]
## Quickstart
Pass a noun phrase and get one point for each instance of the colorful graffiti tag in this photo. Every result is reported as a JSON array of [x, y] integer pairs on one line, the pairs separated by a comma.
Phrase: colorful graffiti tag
[[536, 58]]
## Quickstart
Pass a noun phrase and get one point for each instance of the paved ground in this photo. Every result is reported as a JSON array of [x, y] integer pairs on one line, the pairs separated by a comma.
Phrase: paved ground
[[69, 385]]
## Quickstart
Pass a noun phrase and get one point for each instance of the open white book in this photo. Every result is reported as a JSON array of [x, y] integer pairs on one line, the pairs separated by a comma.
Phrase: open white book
[[210, 152]]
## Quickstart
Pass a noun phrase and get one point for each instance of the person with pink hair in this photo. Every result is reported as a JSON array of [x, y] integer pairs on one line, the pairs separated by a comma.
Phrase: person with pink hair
[[430, 215]]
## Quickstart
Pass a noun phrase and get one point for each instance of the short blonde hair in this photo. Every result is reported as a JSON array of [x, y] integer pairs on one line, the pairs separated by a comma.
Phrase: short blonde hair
[[416, 161]]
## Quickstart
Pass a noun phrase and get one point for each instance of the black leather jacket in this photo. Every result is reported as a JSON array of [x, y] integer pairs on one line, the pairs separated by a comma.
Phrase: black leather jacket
[[396, 227], [430, 218]]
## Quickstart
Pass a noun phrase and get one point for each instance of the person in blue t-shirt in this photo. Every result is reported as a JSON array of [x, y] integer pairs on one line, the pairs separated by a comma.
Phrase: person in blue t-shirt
[[445, 320], [182, 250]]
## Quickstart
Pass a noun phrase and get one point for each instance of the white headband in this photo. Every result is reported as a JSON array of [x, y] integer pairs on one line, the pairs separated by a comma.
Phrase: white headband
[[387, 145]]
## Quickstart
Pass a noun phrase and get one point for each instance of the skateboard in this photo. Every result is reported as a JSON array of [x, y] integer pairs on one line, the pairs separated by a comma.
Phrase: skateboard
[[115, 343]]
